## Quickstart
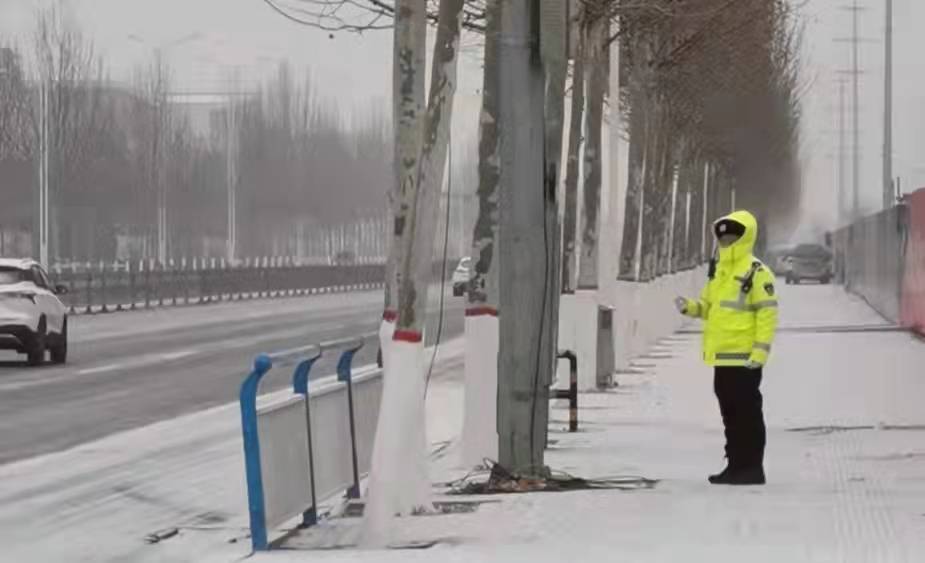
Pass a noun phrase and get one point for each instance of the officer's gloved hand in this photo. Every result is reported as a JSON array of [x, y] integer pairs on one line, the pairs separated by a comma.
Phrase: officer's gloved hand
[[752, 364], [681, 304]]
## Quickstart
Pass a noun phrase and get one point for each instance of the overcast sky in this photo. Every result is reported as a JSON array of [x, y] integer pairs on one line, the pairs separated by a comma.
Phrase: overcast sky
[[209, 41], [206, 40], [827, 21]]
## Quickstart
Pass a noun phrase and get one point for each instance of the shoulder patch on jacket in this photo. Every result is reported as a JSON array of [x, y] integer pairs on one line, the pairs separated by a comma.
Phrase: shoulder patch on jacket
[[769, 288]]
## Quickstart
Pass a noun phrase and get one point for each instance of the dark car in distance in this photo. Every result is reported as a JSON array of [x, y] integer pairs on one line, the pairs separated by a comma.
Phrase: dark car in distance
[[809, 262]]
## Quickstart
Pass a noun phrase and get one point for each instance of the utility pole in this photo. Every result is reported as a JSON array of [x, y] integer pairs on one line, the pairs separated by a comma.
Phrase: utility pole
[[43, 173], [856, 172], [524, 361], [231, 156], [231, 174], [855, 72], [841, 152], [888, 195]]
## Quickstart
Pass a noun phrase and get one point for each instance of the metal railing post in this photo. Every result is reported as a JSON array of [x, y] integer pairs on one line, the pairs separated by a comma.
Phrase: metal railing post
[[89, 289], [131, 286], [256, 504], [72, 281], [572, 392], [300, 386], [160, 284], [104, 308], [147, 276], [344, 374]]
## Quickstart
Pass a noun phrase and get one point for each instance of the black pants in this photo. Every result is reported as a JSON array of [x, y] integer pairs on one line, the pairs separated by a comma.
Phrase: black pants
[[739, 392]]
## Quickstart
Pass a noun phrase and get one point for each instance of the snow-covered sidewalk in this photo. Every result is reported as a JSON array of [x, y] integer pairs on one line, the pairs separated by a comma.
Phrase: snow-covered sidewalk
[[845, 463]]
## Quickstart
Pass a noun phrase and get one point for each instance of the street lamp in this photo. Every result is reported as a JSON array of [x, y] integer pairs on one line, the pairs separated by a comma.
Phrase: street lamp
[[162, 224], [43, 171]]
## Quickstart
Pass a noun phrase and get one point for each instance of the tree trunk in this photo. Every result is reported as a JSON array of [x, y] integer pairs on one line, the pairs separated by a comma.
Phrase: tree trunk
[[398, 481], [597, 87], [662, 187], [637, 165], [416, 265], [569, 225], [480, 433], [483, 287], [648, 248], [408, 73]]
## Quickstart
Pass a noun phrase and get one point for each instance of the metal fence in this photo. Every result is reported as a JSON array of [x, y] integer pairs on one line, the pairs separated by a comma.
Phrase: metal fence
[[107, 287], [870, 258], [913, 298], [309, 445]]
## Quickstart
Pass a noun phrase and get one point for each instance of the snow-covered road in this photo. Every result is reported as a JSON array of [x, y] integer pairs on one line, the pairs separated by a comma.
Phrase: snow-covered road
[[128, 370]]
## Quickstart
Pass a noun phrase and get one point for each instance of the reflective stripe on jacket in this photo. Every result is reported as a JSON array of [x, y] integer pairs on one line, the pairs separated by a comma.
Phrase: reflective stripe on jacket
[[739, 325]]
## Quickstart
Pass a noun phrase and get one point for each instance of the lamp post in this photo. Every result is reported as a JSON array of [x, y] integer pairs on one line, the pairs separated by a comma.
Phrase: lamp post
[[43, 172], [160, 185]]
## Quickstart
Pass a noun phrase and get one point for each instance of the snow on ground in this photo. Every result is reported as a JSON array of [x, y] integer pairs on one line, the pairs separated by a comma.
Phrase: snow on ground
[[846, 468], [845, 462]]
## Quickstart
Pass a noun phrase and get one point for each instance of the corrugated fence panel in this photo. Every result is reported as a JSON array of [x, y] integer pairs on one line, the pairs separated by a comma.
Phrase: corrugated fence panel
[[284, 459], [871, 252], [367, 395], [333, 459], [913, 298]]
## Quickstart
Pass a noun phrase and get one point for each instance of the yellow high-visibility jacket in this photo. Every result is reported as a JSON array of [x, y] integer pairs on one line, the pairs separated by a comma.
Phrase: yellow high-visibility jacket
[[739, 325]]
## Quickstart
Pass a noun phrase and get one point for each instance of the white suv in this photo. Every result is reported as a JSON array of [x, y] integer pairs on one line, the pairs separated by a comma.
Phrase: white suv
[[32, 318]]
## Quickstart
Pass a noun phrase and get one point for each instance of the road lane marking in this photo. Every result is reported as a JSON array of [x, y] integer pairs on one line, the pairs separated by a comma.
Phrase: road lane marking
[[102, 369], [178, 355]]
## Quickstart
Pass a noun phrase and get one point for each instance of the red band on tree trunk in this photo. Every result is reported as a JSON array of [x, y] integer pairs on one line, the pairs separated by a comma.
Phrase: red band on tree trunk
[[412, 336], [482, 311]]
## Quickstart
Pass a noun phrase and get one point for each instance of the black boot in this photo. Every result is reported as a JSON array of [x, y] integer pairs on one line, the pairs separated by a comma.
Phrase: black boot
[[722, 478], [753, 475]]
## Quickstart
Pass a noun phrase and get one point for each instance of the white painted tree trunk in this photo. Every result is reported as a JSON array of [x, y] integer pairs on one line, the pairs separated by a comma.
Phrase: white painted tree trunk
[[480, 433], [399, 484], [408, 73]]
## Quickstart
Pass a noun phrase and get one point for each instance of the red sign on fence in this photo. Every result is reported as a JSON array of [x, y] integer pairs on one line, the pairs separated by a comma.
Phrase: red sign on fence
[[913, 296]]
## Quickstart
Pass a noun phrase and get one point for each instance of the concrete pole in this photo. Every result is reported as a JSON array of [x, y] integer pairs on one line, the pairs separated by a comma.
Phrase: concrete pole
[[43, 177], [855, 78], [888, 195], [704, 219], [842, 188], [231, 182], [524, 359]]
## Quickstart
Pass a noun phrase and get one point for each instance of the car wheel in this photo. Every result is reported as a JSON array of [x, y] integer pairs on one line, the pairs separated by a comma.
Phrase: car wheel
[[59, 348], [36, 352]]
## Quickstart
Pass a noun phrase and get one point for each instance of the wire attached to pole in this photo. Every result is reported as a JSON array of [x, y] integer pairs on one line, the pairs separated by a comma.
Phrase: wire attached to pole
[[446, 242]]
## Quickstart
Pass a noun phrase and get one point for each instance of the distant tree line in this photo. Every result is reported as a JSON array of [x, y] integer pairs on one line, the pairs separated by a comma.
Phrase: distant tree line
[[121, 155]]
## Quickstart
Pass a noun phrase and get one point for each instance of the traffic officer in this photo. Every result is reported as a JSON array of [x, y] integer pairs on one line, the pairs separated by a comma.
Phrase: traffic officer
[[739, 310]]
